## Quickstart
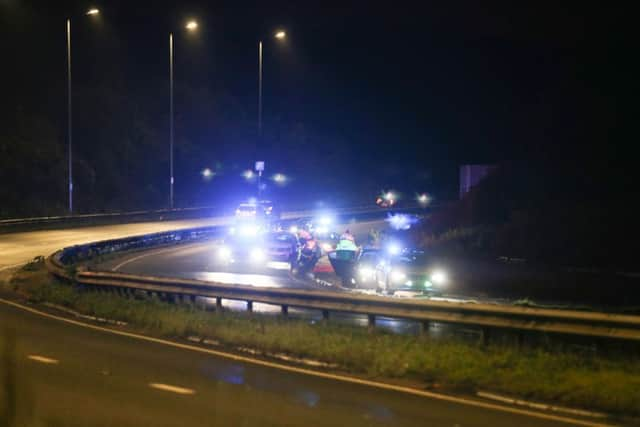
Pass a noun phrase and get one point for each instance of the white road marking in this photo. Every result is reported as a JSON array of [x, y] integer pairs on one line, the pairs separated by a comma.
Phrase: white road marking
[[326, 375], [42, 359], [172, 388]]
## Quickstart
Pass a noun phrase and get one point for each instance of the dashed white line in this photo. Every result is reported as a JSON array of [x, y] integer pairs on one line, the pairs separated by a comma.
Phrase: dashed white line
[[320, 374], [42, 359], [172, 388]]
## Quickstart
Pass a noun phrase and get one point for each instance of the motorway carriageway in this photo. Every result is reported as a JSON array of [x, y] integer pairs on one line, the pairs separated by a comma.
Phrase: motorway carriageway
[[73, 375]]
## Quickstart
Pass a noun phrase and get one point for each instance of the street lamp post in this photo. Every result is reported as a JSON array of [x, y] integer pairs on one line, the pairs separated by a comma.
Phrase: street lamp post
[[190, 26], [69, 119], [90, 12], [171, 121], [280, 35]]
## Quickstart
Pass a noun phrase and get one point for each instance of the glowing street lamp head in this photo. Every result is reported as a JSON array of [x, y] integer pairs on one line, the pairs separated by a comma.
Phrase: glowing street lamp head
[[93, 11], [280, 35], [248, 174], [423, 199], [207, 173], [279, 178], [191, 25]]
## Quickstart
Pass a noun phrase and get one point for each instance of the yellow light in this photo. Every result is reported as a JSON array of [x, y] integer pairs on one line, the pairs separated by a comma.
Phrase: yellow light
[[191, 26], [280, 35], [93, 11]]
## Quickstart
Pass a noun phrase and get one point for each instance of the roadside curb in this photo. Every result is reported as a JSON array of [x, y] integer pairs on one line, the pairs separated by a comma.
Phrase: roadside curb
[[540, 406]]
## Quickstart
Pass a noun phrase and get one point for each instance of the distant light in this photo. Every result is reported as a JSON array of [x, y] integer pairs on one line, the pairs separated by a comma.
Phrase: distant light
[[325, 220], [249, 230], [389, 196], [393, 249], [398, 276], [439, 277], [280, 178], [257, 255], [248, 174], [191, 26], [280, 35], [423, 199], [224, 253], [401, 221], [207, 173], [293, 229], [93, 11]]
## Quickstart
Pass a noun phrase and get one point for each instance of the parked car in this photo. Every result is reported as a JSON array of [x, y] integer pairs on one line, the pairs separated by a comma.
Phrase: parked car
[[411, 270]]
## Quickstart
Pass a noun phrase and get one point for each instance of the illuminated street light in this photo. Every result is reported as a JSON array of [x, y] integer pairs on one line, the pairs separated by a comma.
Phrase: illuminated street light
[[280, 178], [423, 199], [248, 174], [280, 35], [190, 26], [207, 173], [90, 12]]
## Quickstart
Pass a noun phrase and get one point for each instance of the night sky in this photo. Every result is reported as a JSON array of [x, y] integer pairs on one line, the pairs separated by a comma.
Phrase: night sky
[[401, 93]]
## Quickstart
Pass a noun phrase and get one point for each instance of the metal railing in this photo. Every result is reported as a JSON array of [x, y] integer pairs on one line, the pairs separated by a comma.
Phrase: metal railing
[[485, 316]]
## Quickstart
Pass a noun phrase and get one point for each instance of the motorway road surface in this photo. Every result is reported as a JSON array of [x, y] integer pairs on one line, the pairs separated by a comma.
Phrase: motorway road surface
[[74, 376], [199, 261], [20, 248]]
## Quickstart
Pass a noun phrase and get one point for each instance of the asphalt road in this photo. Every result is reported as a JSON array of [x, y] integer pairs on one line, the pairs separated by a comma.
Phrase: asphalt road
[[68, 375], [199, 261], [19, 248]]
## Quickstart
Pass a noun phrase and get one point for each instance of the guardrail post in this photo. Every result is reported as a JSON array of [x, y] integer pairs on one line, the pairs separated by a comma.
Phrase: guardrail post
[[325, 315], [218, 302], [285, 310], [371, 321], [485, 336], [424, 327], [249, 305]]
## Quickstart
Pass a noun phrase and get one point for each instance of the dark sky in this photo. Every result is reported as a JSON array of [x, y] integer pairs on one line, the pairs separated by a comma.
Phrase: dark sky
[[412, 88]]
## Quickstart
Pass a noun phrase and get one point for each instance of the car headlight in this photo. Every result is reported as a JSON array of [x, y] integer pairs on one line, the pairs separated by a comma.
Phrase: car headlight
[[327, 247], [249, 230], [224, 253], [398, 276], [366, 273], [257, 255], [438, 277], [293, 229]]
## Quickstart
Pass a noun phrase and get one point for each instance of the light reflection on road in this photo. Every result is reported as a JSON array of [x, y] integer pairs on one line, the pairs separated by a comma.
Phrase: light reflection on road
[[257, 280]]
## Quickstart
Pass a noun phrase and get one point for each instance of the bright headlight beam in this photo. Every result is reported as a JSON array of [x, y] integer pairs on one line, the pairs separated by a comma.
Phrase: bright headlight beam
[[398, 276], [224, 252], [439, 277], [257, 255]]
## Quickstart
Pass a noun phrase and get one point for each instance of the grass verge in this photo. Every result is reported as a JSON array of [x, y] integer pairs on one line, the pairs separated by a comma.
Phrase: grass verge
[[594, 382]]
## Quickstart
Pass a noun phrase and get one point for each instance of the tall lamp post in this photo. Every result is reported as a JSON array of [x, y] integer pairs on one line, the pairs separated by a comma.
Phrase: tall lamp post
[[279, 35], [190, 26], [90, 12]]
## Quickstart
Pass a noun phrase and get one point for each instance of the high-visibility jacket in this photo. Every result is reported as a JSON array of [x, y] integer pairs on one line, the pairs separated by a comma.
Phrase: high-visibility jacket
[[346, 245]]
